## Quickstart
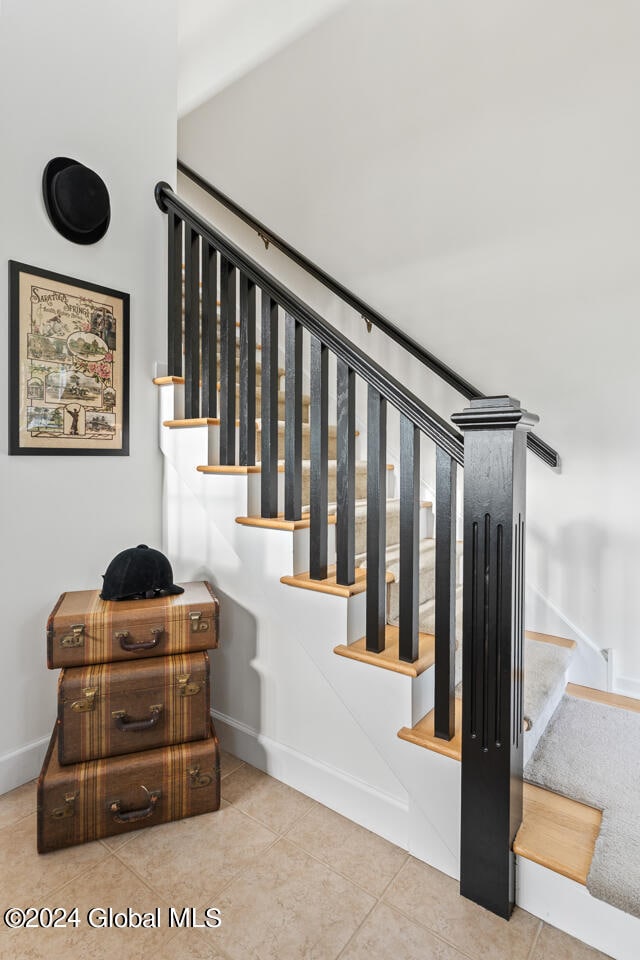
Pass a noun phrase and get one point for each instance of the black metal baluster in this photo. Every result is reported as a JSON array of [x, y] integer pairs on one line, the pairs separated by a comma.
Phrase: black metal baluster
[[445, 644], [293, 419], [269, 408], [174, 310], [227, 362], [376, 519], [346, 475], [192, 325], [209, 394], [319, 467], [409, 539], [247, 372]]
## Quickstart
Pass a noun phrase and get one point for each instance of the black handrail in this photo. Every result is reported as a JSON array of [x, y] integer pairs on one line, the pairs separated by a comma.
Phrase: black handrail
[[446, 436], [534, 443]]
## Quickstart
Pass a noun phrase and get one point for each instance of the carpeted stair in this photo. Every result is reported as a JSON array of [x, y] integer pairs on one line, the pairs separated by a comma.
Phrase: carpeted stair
[[590, 752]]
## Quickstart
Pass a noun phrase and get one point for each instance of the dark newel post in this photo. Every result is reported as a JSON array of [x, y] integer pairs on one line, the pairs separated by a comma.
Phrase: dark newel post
[[495, 449]]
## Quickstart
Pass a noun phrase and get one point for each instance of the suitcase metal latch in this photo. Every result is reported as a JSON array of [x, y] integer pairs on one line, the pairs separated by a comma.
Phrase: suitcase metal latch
[[198, 625], [68, 810], [75, 638], [199, 779], [185, 688], [88, 703]]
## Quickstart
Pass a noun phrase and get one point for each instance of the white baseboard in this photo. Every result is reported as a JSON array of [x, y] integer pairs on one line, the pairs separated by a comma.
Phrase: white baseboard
[[22, 765], [568, 905], [376, 811]]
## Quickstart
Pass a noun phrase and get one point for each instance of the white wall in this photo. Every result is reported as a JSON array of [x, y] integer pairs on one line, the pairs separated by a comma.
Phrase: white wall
[[219, 40], [473, 171], [96, 82]]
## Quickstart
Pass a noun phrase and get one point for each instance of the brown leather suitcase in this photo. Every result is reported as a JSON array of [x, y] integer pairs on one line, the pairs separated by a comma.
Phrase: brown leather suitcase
[[105, 710], [84, 629], [103, 798]]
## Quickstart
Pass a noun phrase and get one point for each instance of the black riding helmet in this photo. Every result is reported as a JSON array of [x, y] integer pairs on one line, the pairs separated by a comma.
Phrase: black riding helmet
[[139, 573]]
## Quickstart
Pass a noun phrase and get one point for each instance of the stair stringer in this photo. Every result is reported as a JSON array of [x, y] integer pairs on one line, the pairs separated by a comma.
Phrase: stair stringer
[[262, 682], [268, 696], [432, 781]]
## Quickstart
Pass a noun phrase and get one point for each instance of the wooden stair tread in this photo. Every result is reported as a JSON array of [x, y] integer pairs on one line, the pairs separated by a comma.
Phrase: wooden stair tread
[[601, 696], [232, 469], [166, 381], [388, 659], [423, 734], [558, 833], [194, 422], [329, 584], [215, 422], [279, 522], [549, 638]]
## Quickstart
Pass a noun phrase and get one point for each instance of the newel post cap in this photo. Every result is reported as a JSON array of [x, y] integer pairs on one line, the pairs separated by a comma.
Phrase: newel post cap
[[495, 413]]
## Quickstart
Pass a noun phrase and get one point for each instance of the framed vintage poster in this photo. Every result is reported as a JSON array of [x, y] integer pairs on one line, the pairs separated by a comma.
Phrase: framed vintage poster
[[68, 365]]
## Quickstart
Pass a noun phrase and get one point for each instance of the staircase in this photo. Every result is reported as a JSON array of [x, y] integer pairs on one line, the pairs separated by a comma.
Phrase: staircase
[[343, 587]]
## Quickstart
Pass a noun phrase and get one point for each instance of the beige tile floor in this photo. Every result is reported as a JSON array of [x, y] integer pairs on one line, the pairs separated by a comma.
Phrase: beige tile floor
[[292, 881]]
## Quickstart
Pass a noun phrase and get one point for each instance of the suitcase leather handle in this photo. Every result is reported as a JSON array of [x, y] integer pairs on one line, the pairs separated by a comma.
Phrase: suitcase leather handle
[[132, 647], [129, 816], [123, 722]]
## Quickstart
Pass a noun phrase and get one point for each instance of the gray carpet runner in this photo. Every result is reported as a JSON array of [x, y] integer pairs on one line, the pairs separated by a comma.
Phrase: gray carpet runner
[[591, 753]]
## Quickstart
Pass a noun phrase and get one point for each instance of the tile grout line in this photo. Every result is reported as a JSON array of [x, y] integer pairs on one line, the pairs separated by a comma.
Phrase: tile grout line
[[535, 939], [338, 873], [76, 876], [462, 953], [360, 886], [440, 936], [375, 905], [303, 817], [323, 863], [377, 900], [265, 825], [235, 876], [223, 776]]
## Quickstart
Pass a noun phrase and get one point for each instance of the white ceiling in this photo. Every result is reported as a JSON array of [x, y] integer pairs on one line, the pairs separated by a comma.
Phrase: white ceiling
[[220, 40]]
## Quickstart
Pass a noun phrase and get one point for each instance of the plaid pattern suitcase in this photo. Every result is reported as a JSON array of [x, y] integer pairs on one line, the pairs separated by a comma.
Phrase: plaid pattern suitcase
[[105, 710], [104, 798], [83, 629]]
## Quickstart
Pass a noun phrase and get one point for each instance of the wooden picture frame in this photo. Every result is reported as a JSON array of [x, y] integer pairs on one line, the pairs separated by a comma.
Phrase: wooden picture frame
[[68, 365]]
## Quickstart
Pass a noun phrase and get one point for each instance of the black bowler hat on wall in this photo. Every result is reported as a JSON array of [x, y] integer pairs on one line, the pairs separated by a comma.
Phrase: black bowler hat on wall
[[76, 200]]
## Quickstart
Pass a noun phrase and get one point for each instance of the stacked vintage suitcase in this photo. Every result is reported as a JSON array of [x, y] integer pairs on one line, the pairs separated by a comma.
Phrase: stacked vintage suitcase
[[134, 744]]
